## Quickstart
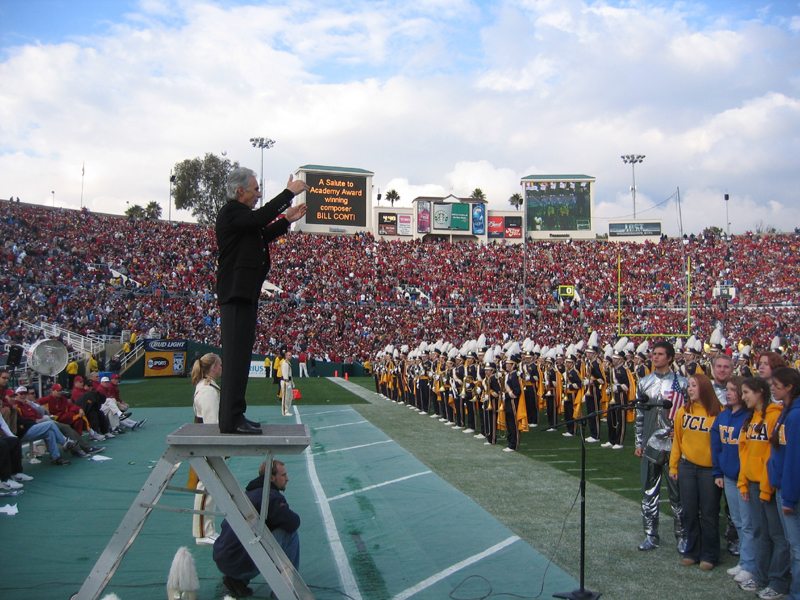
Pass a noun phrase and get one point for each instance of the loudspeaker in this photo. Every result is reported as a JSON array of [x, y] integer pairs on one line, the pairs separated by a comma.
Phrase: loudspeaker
[[14, 356]]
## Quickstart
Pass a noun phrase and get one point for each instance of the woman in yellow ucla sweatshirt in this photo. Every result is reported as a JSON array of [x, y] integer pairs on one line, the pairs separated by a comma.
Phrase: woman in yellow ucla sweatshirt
[[770, 545], [691, 465]]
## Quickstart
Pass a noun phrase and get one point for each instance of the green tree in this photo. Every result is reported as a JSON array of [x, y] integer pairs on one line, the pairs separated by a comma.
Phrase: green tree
[[392, 196], [200, 186], [477, 194], [515, 200], [153, 211], [135, 212]]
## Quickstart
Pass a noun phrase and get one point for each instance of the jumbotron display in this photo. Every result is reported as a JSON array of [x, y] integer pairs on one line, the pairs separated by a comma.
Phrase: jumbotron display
[[558, 205], [336, 199]]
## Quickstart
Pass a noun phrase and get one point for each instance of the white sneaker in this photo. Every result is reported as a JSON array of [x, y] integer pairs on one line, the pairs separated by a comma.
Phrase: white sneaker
[[770, 594], [508, 450], [457, 427], [422, 412], [606, 445], [487, 443], [290, 414], [533, 425], [12, 485], [742, 576], [734, 570], [592, 440], [96, 437], [567, 434], [442, 419], [480, 436], [617, 447], [109, 436], [468, 431], [206, 541], [21, 477]]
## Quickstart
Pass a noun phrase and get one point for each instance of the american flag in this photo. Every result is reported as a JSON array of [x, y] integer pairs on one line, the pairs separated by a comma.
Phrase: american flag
[[675, 395]]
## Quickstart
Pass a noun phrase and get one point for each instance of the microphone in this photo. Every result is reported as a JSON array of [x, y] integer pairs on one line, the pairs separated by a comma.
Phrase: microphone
[[646, 404]]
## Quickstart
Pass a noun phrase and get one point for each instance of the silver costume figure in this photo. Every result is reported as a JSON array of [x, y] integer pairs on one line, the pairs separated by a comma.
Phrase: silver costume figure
[[653, 444]]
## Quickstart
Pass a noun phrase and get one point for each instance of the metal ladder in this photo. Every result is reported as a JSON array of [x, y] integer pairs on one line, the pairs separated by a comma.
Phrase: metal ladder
[[205, 448]]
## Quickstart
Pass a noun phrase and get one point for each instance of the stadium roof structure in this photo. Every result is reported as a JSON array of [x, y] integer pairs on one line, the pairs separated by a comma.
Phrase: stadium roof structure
[[558, 178], [447, 199], [334, 169]]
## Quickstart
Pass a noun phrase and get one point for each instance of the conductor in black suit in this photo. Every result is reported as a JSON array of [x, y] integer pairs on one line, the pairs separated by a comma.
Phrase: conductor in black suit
[[243, 235]]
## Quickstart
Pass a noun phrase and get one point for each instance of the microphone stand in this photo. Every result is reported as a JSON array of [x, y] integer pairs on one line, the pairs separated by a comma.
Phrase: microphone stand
[[582, 593]]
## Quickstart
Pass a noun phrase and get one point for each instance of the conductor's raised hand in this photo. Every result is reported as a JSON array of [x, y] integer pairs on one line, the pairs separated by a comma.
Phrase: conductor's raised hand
[[296, 186], [295, 213]]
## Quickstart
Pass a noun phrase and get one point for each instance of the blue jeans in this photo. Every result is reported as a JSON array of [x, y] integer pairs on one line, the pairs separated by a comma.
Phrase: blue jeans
[[791, 527], [771, 548], [700, 498], [47, 431], [289, 543], [740, 514]]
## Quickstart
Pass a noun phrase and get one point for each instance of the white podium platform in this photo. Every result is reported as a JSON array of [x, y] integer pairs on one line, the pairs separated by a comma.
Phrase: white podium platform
[[206, 448]]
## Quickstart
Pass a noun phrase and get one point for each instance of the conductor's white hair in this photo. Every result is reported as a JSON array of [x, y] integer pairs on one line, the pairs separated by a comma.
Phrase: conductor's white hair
[[238, 177]]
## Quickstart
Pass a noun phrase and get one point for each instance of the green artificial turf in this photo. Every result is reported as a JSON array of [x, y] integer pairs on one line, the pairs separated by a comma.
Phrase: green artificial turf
[[614, 470], [178, 391]]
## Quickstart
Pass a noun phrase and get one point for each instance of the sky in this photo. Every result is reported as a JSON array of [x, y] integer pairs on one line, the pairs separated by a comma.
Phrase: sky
[[434, 96]]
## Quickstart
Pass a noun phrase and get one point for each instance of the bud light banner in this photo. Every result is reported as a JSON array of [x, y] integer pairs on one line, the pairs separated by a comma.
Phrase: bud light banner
[[165, 358]]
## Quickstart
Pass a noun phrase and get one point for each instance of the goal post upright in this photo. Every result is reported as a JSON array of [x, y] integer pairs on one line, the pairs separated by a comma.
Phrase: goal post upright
[[688, 333]]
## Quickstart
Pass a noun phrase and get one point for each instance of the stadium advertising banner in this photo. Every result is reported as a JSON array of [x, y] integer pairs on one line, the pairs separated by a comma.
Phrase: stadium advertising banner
[[387, 224], [165, 358], [336, 199], [558, 205], [513, 227], [478, 219], [257, 370], [634, 229], [452, 217], [496, 228], [404, 223], [424, 217]]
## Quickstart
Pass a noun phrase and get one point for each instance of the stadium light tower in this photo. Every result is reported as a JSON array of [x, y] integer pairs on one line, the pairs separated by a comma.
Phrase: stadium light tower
[[727, 218], [263, 143], [633, 159]]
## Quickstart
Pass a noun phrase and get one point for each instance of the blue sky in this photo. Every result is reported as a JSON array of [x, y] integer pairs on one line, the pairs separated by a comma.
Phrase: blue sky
[[434, 96]]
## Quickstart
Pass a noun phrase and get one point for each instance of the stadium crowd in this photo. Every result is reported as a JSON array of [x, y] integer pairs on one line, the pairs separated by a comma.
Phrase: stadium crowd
[[350, 295]]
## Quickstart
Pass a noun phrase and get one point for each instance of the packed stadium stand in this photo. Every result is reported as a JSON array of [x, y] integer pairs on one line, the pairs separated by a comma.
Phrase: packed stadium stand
[[350, 295]]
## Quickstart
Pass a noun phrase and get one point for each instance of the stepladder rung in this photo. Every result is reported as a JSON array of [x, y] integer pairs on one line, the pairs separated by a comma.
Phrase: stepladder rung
[[205, 448]]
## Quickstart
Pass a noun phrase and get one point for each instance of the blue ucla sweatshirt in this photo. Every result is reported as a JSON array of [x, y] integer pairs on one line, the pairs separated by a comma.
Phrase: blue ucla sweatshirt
[[783, 466], [725, 442]]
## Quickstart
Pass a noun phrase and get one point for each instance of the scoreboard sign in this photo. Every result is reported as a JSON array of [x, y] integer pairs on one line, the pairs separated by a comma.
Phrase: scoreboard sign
[[566, 291], [336, 199]]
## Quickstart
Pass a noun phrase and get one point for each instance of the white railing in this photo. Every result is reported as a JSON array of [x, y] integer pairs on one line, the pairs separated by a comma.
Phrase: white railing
[[79, 343], [128, 359]]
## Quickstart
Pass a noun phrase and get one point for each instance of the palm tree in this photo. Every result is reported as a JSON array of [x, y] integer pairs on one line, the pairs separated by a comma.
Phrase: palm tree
[[516, 200], [153, 211], [477, 194], [392, 196], [135, 212]]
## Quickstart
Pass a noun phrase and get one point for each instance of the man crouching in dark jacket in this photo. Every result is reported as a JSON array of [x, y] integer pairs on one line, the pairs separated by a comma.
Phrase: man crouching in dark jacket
[[232, 559]]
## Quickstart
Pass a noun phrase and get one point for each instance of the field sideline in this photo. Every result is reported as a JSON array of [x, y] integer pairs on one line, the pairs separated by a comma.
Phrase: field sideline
[[531, 491]]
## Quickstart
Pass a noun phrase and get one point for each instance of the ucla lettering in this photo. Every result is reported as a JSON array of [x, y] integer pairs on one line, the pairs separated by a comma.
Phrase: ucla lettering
[[695, 423], [726, 435]]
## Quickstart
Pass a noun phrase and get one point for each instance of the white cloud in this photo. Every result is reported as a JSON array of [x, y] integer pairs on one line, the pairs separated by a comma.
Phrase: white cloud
[[430, 95]]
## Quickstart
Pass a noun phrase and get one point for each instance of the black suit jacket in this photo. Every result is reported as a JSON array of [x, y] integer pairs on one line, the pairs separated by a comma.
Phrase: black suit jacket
[[243, 236]]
